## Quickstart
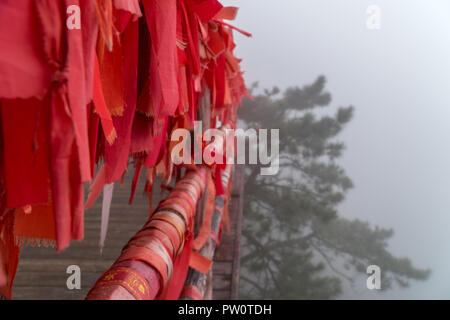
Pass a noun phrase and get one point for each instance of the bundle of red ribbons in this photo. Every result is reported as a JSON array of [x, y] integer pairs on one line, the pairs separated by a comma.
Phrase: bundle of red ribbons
[[87, 84], [154, 263]]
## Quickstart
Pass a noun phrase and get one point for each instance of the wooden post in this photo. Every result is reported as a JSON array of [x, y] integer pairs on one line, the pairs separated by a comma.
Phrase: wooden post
[[227, 258], [225, 271], [195, 279]]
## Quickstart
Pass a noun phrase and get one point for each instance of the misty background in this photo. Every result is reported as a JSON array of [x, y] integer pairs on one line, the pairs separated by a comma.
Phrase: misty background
[[398, 79]]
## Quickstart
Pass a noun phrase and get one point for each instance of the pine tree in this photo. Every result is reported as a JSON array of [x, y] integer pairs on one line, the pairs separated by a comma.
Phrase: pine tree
[[295, 244]]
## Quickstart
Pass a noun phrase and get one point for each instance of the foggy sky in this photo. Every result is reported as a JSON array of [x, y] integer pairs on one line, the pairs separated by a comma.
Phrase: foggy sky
[[398, 79]]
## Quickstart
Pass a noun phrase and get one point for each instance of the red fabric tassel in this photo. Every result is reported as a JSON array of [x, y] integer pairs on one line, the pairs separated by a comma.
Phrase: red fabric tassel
[[101, 107], [96, 188], [205, 9], [180, 271], [117, 155], [131, 6], [228, 13], [9, 255], [199, 262], [161, 18], [134, 183], [26, 152], [23, 72]]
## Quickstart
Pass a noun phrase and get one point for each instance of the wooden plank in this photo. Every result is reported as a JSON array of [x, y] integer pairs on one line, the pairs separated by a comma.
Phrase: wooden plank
[[48, 293], [223, 267], [221, 294], [55, 279], [225, 252], [222, 282]]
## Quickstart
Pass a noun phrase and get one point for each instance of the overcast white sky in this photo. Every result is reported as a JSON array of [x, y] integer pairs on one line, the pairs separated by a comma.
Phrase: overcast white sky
[[398, 79]]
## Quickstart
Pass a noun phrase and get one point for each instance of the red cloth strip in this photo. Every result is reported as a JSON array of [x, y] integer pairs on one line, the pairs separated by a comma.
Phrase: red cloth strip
[[205, 9], [191, 292], [199, 262], [228, 13], [101, 108]]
